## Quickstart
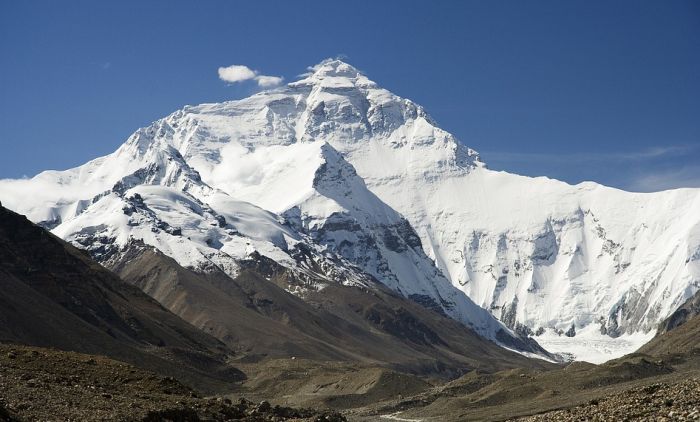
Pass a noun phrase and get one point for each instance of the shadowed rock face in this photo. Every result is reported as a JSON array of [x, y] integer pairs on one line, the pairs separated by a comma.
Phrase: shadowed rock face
[[54, 295], [680, 332], [687, 311]]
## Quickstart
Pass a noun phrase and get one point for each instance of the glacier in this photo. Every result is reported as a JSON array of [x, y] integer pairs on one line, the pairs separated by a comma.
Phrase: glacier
[[369, 184]]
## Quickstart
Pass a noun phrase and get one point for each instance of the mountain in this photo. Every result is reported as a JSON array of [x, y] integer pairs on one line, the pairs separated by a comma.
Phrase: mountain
[[147, 190], [364, 183], [54, 295]]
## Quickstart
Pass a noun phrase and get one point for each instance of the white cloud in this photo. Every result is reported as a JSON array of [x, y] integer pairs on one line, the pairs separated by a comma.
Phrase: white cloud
[[268, 81], [236, 73], [238, 168], [239, 73]]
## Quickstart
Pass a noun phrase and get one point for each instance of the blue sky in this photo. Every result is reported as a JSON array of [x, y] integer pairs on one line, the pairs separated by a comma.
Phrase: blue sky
[[576, 90]]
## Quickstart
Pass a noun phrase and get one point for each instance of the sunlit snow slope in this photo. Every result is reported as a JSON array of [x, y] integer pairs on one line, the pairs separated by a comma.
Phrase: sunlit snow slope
[[336, 162]]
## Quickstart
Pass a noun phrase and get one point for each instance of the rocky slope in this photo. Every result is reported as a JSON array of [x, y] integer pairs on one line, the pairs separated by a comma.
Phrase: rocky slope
[[54, 295], [679, 333], [676, 401], [255, 314]]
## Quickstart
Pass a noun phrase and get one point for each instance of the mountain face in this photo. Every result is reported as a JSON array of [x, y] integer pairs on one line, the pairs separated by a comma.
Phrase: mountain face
[[341, 181], [146, 191], [53, 295], [255, 315]]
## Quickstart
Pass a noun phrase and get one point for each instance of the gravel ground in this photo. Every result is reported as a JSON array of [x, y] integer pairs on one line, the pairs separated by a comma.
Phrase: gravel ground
[[656, 402], [48, 385]]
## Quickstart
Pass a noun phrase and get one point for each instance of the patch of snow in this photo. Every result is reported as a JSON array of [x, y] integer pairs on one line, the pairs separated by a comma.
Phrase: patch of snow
[[589, 345]]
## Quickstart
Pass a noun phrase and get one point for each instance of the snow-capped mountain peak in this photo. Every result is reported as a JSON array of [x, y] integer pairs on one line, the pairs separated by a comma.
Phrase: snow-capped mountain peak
[[346, 168], [334, 73]]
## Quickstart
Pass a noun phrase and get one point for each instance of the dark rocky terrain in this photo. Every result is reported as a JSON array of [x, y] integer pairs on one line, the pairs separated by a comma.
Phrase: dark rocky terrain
[[51, 385], [663, 401], [680, 332], [577, 392]]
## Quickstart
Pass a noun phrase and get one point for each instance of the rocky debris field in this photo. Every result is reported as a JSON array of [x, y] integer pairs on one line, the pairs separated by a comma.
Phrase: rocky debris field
[[49, 385], [657, 402]]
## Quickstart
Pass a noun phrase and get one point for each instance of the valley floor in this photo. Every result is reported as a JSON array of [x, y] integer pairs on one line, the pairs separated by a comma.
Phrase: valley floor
[[38, 384], [51, 385], [635, 387]]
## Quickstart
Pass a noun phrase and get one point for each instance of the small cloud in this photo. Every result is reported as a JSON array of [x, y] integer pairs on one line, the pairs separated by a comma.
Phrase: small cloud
[[268, 81], [239, 73], [101, 65], [236, 73]]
